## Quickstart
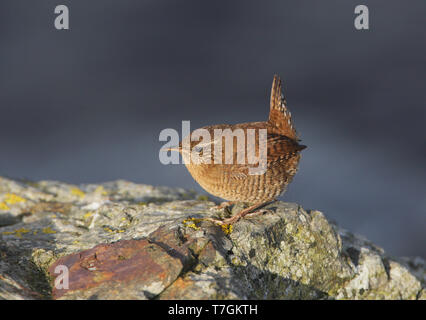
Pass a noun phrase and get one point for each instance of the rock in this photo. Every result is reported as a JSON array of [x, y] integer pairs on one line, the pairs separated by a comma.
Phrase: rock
[[120, 240]]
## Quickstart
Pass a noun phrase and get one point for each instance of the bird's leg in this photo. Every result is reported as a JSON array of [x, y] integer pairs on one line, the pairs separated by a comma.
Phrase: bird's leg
[[256, 213], [223, 205], [250, 211]]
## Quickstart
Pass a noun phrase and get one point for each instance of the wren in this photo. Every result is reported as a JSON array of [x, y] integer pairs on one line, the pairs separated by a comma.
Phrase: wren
[[232, 178]]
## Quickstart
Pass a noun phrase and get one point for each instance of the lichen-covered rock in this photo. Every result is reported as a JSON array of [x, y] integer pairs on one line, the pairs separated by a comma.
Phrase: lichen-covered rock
[[120, 240]]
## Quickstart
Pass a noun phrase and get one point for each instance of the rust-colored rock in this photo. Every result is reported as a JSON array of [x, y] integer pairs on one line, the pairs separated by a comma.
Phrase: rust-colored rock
[[144, 267], [182, 288]]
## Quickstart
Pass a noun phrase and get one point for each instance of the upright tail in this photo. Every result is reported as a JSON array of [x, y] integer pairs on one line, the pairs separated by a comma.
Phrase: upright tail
[[279, 116]]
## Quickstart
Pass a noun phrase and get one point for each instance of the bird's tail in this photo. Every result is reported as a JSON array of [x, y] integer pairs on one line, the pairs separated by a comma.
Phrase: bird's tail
[[279, 115]]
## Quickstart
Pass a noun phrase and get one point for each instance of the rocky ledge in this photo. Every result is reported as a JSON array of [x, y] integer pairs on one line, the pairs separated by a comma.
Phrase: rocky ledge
[[121, 240]]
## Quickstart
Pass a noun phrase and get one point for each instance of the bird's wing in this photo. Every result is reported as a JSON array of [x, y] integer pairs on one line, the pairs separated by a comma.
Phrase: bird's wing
[[282, 148], [279, 149]]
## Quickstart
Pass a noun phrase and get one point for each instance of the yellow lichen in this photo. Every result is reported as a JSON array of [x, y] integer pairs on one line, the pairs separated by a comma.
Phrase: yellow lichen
[[17, 232], [77, 192], [20, 231], [11, 198], [227, 228], [114, 231], [101, 190], [192, 223], [48, 230], [4, 206], [88, 215], [193, 226]]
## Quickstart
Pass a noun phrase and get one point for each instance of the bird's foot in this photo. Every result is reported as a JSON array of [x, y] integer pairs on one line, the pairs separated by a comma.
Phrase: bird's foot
[[242, 214], [250, 211], [226, 224], [256, 213], [222, 205], [226, 227]]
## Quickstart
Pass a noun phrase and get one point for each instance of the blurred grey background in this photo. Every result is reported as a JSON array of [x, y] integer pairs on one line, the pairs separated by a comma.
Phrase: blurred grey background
[[88, 104]]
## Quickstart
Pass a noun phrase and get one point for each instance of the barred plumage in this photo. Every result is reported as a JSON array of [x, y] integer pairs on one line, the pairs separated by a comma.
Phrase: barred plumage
[[233, 181]]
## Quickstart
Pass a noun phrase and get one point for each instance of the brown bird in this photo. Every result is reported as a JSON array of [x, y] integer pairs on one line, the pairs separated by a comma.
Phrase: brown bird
[[235, 178]]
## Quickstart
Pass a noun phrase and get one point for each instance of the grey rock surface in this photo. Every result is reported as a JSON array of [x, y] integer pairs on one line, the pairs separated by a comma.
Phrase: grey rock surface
[[121, 240]]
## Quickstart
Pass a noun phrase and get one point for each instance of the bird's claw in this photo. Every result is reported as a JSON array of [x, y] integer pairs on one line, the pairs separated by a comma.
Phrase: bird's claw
[[222, 205], [256, 213]]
